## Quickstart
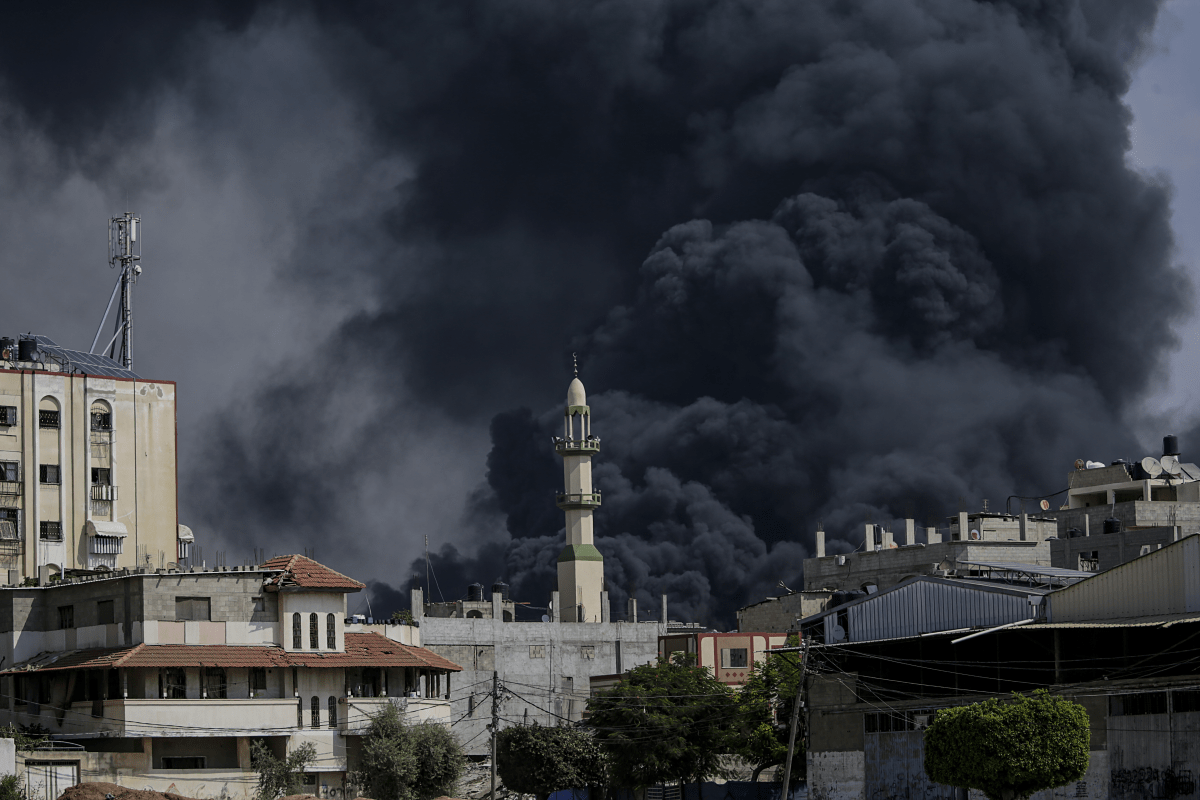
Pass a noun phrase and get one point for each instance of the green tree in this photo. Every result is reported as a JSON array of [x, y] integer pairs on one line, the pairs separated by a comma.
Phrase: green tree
[[278, 777], [540, 761], [665, 722], [407, 762], [404, 617], [766, 701], [1009, 750]]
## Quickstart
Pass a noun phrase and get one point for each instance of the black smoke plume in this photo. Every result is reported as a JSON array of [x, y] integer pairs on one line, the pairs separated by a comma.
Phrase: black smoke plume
[[822, 262]]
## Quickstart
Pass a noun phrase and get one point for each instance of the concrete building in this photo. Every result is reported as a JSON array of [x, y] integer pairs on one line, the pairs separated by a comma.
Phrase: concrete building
[[544, 668], [87, 464], [730, 657], [164, 678], [1120, 643], [580, 565], [781, 614], [977, 537]]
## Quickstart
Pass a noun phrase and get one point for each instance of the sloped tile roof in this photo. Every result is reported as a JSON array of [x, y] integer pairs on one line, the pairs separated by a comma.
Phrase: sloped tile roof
[[302, 572], [362, 650]]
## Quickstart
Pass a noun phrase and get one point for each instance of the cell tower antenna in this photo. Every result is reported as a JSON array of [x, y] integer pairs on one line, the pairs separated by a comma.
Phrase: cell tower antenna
[[124, 254]]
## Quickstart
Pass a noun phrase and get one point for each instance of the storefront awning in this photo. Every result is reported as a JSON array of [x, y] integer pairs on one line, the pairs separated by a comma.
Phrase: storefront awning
[[114, 530]]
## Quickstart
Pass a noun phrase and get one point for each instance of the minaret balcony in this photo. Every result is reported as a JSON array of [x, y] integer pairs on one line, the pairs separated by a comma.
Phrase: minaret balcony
[[577, 500], [577, 447]]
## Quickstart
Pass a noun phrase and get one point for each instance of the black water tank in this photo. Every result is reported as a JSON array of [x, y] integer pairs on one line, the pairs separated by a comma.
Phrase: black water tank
[[475, 593], [1074, 533], [1112, 525], [1170, 445], [500, 588], [26, 348]]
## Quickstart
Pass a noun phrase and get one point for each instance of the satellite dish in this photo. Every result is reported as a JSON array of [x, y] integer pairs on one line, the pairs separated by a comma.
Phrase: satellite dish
[[1079, 463], [1170, 464], [1044, 505], [1151, 466], [545, 617], [839, 633], [1095, 464]]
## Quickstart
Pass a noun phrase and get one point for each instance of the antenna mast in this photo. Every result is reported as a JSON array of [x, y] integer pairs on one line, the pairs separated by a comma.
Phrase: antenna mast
[[124, 253]]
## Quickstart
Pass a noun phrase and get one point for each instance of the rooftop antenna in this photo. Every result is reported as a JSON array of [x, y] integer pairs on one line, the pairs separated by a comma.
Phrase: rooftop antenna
[[124, 252]]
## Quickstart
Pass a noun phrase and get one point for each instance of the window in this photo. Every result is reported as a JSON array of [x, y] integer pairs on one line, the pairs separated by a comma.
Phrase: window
[[215, 686], [47, 419], [183, 762], [10, 471], [537, 651], [296, 641], [50, 531], [733, 658], [258, 680], [50, 473], [10, 525], [588, 651], [330, 632], [102, 476], [316, 711], [192, 608], [66, 617], [172, 683], [332, 711], [1185, 700], [101, 419], [567, 685], [105, 615], [314, 639], [8, 415]]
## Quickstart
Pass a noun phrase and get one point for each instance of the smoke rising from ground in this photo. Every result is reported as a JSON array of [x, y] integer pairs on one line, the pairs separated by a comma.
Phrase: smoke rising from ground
[[822, 263]]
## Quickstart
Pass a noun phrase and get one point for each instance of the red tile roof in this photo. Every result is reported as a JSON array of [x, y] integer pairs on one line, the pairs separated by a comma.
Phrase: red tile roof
[[302, 572], [362, 650]]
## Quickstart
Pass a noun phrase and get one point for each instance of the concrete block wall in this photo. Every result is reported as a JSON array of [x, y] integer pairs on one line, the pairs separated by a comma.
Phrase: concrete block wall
[[886, 568]]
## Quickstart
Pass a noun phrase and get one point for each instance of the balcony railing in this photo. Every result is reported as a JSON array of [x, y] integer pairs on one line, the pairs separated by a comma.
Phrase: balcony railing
[[10, 488], [101, 491], [566, 500], [588, 446], [164, 717]]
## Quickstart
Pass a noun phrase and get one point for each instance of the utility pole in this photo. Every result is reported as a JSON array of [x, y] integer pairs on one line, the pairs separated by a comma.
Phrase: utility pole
[[495, 726], [787, 765]]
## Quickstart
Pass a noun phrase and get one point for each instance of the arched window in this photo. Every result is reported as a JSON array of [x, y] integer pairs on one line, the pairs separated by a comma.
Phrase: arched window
[[101, 414], [296, 632], [330, 632], [316, 711], [332, 711], [314, 640]]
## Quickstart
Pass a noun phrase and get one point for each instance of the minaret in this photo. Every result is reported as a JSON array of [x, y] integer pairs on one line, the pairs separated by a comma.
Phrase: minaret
[[580, 565]]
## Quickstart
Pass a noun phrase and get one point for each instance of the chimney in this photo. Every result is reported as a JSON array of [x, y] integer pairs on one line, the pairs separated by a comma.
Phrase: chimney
[[820, 543], [910, 531]]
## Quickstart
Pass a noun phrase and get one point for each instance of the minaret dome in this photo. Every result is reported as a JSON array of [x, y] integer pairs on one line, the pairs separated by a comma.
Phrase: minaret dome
[[576, 396]]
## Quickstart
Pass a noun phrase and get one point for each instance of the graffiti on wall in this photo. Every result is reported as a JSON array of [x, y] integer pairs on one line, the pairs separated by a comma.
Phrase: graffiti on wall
[[1151, 782]]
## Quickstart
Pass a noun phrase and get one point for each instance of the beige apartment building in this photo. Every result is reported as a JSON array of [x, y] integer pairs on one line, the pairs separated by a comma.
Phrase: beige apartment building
[[87, 464]]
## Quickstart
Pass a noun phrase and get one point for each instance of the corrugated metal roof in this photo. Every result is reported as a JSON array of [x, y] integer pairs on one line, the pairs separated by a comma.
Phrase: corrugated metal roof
[[924, 605], [1029, 569], [1156, 620], [1162, 582]]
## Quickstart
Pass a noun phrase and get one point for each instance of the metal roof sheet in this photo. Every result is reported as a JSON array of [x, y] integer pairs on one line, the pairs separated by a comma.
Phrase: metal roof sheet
[[1029, 569], [1153, 620]]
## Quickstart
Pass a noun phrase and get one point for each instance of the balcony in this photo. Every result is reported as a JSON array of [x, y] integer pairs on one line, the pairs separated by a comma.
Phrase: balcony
[[102, 491], [577, 447], [576, 500], [355, 713], [164, 717]]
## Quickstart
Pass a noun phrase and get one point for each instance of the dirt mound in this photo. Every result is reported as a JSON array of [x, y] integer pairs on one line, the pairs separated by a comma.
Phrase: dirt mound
[[100, 791]]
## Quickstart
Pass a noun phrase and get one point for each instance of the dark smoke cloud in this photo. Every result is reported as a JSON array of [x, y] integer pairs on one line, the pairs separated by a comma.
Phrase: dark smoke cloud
[[822, 262]]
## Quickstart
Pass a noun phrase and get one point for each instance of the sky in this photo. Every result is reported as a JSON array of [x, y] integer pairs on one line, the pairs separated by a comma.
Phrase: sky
[[822, 263]]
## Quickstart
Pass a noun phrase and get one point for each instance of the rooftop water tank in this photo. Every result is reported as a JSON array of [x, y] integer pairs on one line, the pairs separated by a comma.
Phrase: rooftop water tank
[[1112, 525], [26, 349], [8, 348], [500, 588], [475, 593], [1170, 445]]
